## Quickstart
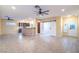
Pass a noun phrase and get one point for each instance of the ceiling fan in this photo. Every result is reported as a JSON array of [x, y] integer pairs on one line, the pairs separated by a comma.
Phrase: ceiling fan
[[9, 18], [40, 11]]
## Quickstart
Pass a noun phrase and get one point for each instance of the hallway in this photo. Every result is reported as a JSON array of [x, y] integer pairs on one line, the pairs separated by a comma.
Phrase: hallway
[[38, 44]]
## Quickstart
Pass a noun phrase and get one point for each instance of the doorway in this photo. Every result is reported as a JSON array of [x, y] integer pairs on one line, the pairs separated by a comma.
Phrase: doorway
[[48, 28], [38, 27]]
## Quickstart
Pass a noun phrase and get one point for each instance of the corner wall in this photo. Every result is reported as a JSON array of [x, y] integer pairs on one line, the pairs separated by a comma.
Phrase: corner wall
[[67, 21], [61, 21], [58, 26]]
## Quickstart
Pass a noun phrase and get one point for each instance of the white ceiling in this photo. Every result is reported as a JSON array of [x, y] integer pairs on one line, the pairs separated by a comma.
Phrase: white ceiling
[[24, 11]]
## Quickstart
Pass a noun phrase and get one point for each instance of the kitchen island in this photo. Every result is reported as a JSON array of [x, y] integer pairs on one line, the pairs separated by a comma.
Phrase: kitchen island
[[29, 31]]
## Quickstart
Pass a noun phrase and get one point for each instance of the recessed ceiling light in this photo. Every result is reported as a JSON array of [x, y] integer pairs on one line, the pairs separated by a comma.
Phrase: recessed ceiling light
[[62, 10], [13, 7]]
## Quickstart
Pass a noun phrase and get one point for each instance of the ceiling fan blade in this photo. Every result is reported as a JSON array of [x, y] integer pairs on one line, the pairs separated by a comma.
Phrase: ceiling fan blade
[[5, 16], [46, 11], [37, 6], [8, 18], [35, 11], [40, 12]]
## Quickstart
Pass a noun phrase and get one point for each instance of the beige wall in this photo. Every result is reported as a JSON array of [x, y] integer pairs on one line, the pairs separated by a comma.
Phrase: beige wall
[[58, 26], [78, 27], [8, 29], [67, 20], [60, 21], [0, 27]]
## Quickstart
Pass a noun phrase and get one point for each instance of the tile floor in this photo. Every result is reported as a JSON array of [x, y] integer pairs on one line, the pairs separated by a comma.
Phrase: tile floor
[[38, 44]]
